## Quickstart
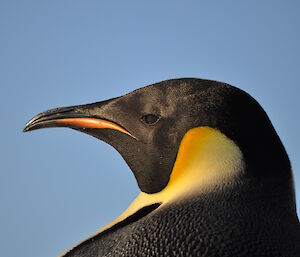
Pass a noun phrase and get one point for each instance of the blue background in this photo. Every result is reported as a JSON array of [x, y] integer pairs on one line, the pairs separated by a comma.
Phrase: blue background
[[58, 186]]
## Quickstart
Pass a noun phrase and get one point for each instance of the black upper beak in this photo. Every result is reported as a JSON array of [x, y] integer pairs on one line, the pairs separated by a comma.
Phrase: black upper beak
[[73, 117], [48, 118]]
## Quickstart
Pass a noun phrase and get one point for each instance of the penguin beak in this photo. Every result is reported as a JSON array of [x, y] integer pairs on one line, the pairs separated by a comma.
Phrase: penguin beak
[[76, 117]]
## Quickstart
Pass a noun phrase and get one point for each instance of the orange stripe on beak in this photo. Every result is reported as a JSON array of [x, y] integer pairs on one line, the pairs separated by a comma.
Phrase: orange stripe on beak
[[92, 123]]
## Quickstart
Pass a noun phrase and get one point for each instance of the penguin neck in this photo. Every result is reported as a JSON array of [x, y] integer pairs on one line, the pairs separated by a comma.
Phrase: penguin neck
[[207, 160]]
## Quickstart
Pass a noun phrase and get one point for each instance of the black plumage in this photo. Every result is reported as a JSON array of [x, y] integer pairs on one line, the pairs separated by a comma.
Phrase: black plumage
[[235, 222]]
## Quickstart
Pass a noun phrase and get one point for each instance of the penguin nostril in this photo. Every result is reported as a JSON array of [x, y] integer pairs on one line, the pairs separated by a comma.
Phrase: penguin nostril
[[150, 119]]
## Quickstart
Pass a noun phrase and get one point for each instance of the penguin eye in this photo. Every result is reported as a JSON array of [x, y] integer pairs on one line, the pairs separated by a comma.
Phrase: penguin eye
[[150, 119]]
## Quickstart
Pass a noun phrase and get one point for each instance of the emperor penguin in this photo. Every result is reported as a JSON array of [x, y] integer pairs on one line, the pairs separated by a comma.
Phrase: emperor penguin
[[215, 179]]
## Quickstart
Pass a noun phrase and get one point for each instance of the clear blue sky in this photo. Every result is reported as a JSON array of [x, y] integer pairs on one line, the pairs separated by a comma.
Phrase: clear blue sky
[[58, 186]]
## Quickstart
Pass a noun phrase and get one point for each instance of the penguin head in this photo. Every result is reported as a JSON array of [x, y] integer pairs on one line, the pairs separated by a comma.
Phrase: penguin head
[[181, 125]]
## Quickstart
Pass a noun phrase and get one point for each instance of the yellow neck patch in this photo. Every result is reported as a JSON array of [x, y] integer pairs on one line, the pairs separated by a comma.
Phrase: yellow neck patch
[[206, 159]]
